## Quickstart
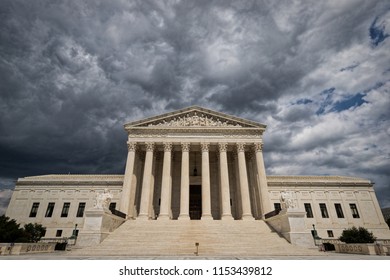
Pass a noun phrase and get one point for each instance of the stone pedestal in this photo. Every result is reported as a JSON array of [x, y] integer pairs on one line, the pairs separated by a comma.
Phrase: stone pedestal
[[290, 223], [98, 223]]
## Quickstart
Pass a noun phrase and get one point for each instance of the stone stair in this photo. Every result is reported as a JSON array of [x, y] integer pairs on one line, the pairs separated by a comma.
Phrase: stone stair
[[178, 238]]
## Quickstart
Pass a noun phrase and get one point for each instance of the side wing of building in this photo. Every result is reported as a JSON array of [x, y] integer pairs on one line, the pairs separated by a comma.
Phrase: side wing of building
[[332, 203], [58, 202]]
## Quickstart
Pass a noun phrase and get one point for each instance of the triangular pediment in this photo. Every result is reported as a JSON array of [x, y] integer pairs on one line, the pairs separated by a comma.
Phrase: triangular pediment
[[194, 116]]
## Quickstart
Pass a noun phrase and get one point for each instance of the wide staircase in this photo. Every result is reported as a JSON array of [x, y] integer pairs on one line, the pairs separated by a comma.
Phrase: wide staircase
[[179, 238]]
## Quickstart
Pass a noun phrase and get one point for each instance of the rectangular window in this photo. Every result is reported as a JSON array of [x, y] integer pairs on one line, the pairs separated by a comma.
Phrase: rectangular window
[[59, 233], [80, 210], [324, 211], [354, 210], [112, 206], [339, 210], [330, 233], [49, 210], [65, 210], [34, 210], [309, 211], [277, 207]]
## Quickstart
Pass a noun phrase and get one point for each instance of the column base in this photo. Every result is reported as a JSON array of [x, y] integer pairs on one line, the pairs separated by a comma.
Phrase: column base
[[227, 217], [143, 217], [247, 217], [184, 217], [207, 217], [163, 217]]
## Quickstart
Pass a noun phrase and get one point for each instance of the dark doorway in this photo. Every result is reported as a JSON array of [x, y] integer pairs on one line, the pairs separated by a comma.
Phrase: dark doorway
[[195, 202]]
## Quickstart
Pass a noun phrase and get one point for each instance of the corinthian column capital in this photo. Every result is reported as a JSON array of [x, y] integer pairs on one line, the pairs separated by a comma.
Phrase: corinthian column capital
[[222, 147], [168, 147], [258, 147], [131, 146], [149, 146], [240, 147], [205, 147], [185, 147]]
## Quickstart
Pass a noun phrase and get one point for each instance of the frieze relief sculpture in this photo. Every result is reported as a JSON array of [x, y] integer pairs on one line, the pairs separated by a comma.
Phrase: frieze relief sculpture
[[195, 120], [286, 200], [103, 200]]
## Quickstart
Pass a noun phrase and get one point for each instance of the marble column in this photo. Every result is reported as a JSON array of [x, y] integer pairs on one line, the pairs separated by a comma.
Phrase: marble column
[[166, 183], [206, 194], [127, 197], [225, 191], [244, 187], [146, 183], [262, 179], [253, 186], [185, 182]]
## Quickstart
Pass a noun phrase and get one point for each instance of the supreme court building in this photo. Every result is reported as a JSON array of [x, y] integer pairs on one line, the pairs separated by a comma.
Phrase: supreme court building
[[189, 172]]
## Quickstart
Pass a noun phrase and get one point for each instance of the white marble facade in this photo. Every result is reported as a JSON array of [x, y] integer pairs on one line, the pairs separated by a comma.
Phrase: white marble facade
[[196, 164]]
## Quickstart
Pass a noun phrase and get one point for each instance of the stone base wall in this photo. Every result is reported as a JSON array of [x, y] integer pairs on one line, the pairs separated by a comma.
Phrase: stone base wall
[[363, 249], [26, 248]]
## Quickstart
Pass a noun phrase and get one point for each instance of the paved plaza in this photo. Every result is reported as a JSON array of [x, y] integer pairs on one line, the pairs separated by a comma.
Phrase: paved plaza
[[67, 256]]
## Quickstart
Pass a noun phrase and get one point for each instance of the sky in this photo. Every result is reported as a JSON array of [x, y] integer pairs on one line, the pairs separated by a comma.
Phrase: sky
[[317, 73]]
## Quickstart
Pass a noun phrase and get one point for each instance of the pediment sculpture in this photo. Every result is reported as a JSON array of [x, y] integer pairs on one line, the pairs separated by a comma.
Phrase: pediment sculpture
[[195, 120]]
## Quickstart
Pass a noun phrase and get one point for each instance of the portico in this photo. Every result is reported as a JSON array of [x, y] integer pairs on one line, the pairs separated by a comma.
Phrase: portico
[[195, 164]]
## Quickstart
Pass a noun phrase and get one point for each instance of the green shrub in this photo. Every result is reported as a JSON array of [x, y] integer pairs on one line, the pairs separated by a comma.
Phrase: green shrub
[[34, 232], [10, 231], [357, 235]]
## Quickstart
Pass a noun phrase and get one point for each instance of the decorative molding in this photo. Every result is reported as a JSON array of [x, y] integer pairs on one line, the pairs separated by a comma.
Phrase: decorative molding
[[164, 132], [72, 177], [303, 178]]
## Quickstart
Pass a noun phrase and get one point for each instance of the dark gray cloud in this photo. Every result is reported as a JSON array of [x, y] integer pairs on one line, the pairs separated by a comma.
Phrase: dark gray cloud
[[72, 73]]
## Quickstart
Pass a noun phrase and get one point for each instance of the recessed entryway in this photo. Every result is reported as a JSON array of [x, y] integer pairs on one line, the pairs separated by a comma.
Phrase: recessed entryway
[[195, 202]]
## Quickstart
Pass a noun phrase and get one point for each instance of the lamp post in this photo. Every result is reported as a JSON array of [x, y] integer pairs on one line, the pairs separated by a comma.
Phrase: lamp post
[[314, 234], [197, 249], [74, 235]]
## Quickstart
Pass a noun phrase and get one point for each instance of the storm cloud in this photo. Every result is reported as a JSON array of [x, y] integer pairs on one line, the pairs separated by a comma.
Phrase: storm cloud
[[315, 72]]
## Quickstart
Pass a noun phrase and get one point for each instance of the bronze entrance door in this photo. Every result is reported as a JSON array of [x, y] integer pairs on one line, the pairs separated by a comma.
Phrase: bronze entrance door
[[195, 202]]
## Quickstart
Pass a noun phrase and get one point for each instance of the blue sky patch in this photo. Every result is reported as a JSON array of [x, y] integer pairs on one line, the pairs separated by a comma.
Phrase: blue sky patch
[[328, 100], [353, 101], [377, 33]]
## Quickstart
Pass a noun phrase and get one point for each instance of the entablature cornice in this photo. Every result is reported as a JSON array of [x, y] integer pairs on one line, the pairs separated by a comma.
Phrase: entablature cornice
[[69, 183], [71, 180], [316, 181], [255, 133]]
